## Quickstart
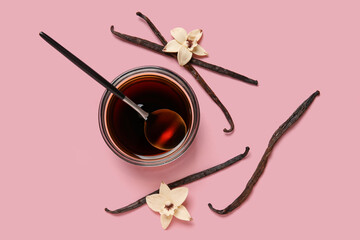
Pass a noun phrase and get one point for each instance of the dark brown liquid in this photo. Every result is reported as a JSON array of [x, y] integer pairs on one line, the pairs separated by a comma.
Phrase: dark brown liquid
[[126, 126]]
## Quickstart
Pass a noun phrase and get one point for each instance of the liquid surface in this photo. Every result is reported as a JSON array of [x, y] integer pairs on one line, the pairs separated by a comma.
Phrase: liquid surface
[[152, 93]]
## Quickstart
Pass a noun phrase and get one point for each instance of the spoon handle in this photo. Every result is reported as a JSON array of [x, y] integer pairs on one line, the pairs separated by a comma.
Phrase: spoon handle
[[91, 72], [82, 65]]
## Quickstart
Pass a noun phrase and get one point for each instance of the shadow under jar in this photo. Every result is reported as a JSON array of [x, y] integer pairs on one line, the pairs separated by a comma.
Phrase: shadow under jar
[[152, 88]]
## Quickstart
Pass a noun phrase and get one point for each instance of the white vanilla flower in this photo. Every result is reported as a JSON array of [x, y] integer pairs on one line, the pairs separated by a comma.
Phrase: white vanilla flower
[[185, 44], [169, 203]]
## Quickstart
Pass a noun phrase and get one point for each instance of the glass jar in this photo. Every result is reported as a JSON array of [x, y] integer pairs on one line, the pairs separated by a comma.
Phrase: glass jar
[[152, 88]]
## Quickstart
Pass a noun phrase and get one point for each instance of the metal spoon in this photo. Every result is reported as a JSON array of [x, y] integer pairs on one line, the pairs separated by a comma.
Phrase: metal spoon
[[163, 128]]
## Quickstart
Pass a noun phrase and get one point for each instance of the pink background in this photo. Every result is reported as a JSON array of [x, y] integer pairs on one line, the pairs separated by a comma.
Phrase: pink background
[[57, 175]]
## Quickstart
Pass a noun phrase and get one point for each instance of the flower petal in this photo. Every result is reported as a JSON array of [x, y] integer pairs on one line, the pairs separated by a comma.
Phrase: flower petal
[[195, 35], [164, 190], [156, 201], [182, 213], [178, 195], [184, 55], [198, 50], [172, 46], [179, 34], [165, 220]]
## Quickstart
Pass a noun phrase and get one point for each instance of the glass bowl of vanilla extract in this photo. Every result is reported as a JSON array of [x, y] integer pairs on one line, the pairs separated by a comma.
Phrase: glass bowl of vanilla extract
[[151, 88]]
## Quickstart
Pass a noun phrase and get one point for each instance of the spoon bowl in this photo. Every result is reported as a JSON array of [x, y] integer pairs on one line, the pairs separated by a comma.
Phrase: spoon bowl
[[165, 129]]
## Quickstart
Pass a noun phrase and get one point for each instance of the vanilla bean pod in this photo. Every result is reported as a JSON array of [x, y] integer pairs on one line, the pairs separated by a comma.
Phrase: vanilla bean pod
[[158, 48], [153, 28], [262, 164], [195, 74], [213, 96], [186, 180]]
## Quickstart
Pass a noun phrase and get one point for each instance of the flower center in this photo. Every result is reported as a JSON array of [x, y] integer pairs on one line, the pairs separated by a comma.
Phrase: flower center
[[189, 43], [169, 205]]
